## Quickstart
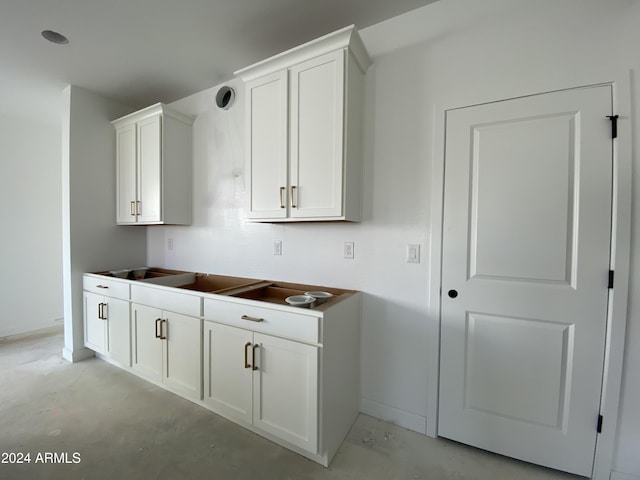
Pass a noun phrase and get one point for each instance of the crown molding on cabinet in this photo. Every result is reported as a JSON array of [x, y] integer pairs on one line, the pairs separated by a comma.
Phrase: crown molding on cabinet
[[150, 111], [347, 37]]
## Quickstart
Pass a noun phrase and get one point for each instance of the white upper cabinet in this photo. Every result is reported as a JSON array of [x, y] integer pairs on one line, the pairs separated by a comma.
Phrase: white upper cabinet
[[304, 112], [154, 167], [267, 146], [126, 166], [316, 138]]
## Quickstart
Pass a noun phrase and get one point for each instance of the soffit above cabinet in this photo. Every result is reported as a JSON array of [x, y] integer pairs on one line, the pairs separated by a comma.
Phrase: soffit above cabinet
[[347, 37]]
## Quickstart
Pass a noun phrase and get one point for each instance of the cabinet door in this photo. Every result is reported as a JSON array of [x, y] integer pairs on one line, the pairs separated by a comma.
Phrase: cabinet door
[[183, 354], [266, 145], [126, 172], [150, 169], [285, 390], [227, 370], [316, 136], [119, 330], [147, 348], [94, 327]]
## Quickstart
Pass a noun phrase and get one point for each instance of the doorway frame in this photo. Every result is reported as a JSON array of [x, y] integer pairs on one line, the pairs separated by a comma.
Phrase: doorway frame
[[620, 255]]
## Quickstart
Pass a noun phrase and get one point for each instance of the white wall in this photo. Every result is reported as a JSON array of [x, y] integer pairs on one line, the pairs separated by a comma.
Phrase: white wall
[[221, 241], [91, 239], [30, 212], [507, 49], [510, 49], [451, 53]]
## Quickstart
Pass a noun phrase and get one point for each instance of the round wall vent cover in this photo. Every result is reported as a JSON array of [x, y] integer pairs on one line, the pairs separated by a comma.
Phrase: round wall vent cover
[[225, 97]]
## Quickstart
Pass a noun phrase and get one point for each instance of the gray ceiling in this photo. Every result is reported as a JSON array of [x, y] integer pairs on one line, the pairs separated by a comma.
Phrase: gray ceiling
[[143, 51]]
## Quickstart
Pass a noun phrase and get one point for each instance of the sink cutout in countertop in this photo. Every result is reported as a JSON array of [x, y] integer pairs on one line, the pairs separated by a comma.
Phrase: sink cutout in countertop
[[217, 283], [270, 293]]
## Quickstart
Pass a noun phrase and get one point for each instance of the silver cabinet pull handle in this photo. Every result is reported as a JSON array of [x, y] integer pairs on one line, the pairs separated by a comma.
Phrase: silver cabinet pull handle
[[102, 286], [281, 197], [162, 336], [253, 357], [246, 355], [293, 190], [132, 208], [252, 319], [138, 208]]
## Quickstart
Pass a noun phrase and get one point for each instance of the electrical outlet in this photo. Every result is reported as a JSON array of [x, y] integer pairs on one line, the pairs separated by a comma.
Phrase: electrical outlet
[[348, 250], [413, 253], [277, 247], [169, 243]]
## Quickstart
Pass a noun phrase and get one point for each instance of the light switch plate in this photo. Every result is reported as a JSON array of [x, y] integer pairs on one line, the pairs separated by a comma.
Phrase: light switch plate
[[348, 250], [413, 253], [277, 247]]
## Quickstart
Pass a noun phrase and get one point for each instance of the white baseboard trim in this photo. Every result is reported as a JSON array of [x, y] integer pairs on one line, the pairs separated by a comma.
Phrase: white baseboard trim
[[623, 476], [77, 355], [411, 421], [19, 330]]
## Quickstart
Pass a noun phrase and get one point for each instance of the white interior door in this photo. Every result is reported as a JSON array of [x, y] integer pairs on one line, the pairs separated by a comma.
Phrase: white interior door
[[526, 250]]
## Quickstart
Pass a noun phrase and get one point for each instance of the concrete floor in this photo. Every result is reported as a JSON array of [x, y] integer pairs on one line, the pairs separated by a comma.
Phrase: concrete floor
[[121, 427]]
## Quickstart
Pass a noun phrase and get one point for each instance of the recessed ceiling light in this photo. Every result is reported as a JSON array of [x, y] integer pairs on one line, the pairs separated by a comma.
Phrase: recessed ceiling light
[[55, 37]]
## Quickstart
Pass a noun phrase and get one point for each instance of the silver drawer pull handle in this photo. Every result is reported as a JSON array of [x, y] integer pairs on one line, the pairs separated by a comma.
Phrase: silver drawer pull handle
[[252, 319], [102, 286]]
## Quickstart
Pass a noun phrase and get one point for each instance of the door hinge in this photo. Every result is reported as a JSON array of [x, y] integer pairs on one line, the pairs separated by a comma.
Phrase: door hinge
[[614, 125], [599, 423], [610, 285]]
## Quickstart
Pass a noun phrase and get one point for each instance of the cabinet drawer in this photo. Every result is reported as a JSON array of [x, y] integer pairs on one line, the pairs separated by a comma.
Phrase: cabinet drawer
[[167, 299], [106, 286], [264, 320]]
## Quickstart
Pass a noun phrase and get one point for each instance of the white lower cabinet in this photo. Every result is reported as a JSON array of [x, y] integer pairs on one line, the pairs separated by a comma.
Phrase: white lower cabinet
[[167, 349], [285, 390], [106, 326], [228, 378], [288, 374], [262, 380], [119, 331], [95, 325]]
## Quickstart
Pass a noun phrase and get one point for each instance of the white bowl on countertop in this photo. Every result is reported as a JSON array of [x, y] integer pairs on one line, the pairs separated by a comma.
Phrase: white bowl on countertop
[[320, 297], [303, 301]]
